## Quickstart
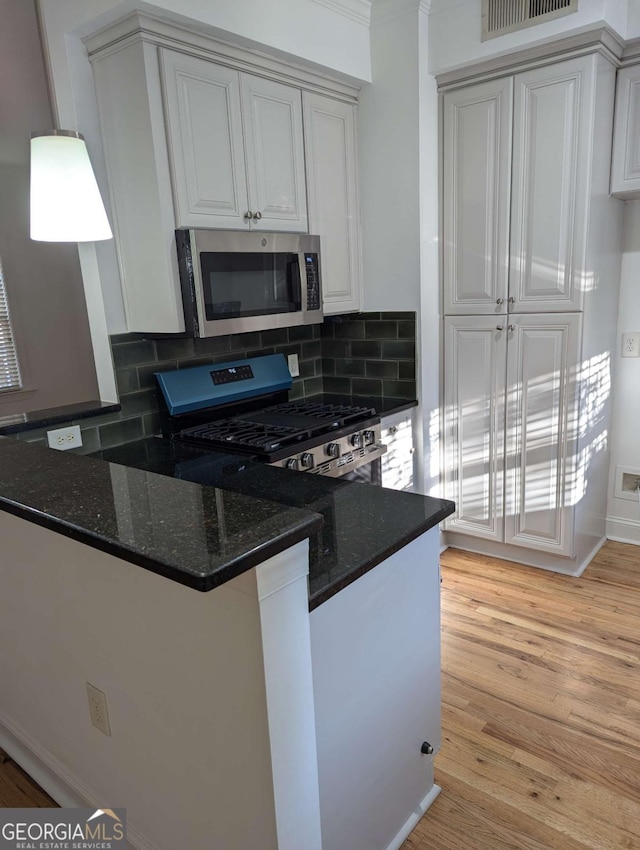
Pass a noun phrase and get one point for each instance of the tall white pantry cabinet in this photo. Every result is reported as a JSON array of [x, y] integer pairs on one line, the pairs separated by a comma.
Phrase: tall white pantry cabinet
[[530, 246]]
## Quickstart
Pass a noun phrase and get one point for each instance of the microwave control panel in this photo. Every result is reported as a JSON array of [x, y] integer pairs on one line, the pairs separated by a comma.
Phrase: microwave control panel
[[313, 281]]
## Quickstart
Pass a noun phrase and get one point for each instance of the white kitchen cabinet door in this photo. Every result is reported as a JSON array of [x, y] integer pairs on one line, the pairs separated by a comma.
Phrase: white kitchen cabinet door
[[204, 129], [541, 434], [397, 461], [477, 170], [475, 372], [375, 650], [552, 138], [272, 120], [625, 168], [332, 193]]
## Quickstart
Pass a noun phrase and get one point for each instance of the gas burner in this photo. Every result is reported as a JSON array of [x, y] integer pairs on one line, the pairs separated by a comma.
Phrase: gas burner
[[279, 426]]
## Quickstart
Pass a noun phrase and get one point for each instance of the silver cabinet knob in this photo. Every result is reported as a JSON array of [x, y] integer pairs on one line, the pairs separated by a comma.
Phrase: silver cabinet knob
[[511, 328], [248, 215], [512, 300], [499, 301], [499, 328], [257, 216]]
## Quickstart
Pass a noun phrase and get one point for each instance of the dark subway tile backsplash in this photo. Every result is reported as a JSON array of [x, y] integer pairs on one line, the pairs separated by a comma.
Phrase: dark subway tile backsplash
[[370, 354]]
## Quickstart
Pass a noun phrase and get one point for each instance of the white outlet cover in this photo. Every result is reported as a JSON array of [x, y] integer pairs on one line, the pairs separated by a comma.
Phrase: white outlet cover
[[65, 438], [294, 366], [631, 344]]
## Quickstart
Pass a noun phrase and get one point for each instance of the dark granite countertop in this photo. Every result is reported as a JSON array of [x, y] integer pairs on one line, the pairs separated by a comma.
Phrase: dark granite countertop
[[198, 536], [383, 406], [18, 422], [363, 524]]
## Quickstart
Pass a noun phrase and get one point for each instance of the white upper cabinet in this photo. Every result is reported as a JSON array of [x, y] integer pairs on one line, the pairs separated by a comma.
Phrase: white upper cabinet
[[552, 132], [192, 139], [235, 147], [204, 128], [516, 180], [625, 168], [329, 127], [272, 115], [477, 174]]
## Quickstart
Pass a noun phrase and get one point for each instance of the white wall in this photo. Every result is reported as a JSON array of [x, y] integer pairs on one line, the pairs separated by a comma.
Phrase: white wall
[[389, 163], [398, 160], [623, 520], [456, 28]]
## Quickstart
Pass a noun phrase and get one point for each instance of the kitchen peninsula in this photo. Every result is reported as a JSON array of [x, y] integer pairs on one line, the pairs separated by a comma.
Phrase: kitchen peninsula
[[239, 718]]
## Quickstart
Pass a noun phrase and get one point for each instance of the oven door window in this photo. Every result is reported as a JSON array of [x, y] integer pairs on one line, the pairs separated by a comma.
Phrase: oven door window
[[253, 284]]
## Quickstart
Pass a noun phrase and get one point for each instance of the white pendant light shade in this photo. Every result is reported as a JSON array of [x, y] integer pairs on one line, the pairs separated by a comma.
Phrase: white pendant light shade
[[65, 200]]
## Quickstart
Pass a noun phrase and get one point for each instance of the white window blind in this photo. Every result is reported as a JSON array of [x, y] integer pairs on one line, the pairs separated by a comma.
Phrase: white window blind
[[9, 368]]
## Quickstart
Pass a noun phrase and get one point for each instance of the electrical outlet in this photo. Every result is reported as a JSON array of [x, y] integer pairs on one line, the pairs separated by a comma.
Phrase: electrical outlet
[[65, 438], [294, 366], [98, 709], [631, 344]]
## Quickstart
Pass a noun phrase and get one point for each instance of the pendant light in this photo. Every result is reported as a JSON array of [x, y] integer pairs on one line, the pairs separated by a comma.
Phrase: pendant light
[[66, 205]]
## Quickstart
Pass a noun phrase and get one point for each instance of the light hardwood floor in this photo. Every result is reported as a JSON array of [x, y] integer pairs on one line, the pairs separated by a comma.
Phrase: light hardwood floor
[[541, 709]]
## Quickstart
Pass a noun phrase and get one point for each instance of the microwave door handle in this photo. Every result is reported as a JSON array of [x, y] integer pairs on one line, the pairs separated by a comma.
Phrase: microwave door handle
[[302, 268]]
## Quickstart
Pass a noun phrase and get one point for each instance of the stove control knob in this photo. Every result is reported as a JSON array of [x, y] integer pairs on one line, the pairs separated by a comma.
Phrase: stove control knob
[[292, 463], [333, 449], [357, 440], [369, 437], [307, 460]]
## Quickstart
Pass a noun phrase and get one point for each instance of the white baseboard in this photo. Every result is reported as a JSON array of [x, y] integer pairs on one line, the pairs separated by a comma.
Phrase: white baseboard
[[623, 530], [520, 555], [52, 777], [408, 827]]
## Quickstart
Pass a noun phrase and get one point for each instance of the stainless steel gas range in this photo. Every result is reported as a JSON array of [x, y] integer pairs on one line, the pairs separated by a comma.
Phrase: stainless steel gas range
[[242, 407]]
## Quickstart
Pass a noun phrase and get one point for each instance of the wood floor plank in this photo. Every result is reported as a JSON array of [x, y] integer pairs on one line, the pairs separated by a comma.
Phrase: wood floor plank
[[541, 707]]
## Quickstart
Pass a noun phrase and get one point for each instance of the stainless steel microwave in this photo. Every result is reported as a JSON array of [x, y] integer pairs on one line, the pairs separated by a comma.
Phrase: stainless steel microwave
[[234, 281]]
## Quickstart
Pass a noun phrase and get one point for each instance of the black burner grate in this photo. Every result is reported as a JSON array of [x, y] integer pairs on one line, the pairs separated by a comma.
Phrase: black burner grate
[[279, 426]]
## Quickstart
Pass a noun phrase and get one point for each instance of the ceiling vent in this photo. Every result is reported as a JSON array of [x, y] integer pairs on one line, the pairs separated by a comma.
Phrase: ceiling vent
[[503, 16]]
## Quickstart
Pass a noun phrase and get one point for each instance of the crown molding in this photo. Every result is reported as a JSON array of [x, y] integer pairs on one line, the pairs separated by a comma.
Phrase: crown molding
[[199, 42], [631, 52], [356, 10], [597, 38]]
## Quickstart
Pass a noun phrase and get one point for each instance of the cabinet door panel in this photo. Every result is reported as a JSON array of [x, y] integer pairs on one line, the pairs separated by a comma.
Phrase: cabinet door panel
[[329, 128], [477, 167], [272, 117], [625, 169], [204, 126], [475, 367], [551, 150], [541, 437]]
